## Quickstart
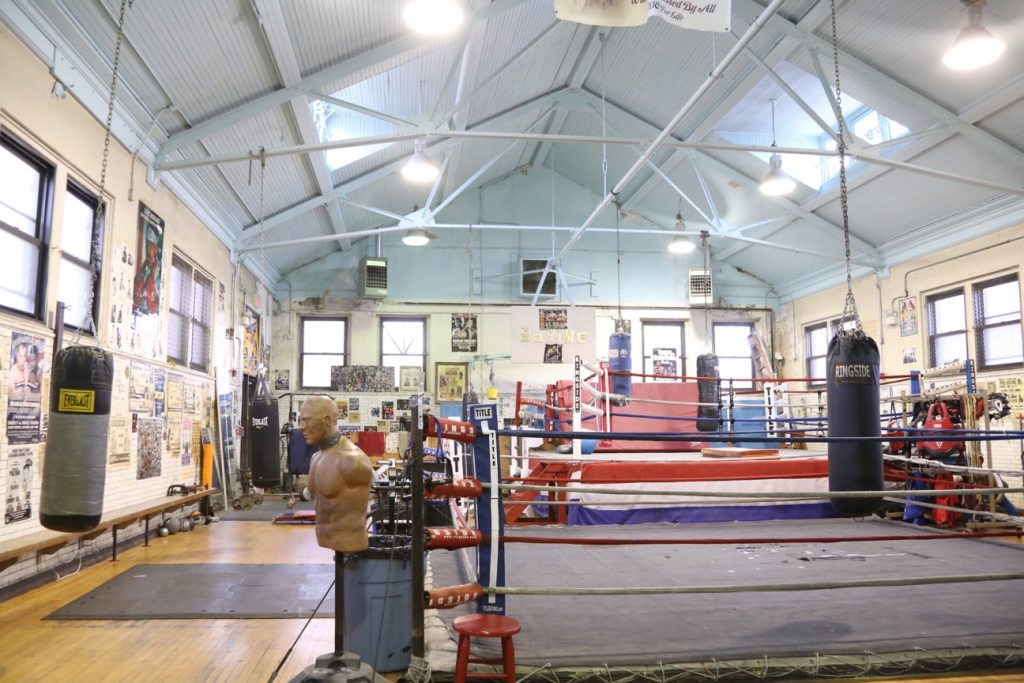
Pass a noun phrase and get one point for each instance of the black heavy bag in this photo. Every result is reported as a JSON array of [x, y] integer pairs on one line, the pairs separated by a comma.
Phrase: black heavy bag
[[708, 391], [75, 465], [853, 410], [264, 440]]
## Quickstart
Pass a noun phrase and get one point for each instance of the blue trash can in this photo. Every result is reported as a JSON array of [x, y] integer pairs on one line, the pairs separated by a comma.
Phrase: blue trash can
[[378, 603]]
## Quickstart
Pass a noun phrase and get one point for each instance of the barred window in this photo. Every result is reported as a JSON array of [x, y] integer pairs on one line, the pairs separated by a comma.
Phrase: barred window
[[997, 323], [189, 315], [323, 346]]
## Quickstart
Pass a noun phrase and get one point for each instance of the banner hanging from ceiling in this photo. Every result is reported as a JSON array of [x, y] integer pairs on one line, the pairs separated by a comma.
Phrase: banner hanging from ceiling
[[696, 15]]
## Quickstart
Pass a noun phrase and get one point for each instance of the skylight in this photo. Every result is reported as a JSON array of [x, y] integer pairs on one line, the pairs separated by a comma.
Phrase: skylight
[[337, 123], [748, 123]]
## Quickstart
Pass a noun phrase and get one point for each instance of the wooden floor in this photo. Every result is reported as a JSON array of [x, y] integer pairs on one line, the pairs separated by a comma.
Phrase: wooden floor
[[173, 651]]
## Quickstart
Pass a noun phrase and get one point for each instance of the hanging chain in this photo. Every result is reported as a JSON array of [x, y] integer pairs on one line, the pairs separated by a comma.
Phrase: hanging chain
[[850, 305], [618, 267], [263, 173], [707, 297], [99, 217]]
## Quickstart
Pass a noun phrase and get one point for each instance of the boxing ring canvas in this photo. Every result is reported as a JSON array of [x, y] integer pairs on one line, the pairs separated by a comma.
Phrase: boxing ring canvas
[[956, 621]]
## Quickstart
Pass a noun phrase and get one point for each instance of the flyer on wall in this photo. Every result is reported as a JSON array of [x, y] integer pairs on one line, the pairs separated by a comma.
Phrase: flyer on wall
[[25, 388]]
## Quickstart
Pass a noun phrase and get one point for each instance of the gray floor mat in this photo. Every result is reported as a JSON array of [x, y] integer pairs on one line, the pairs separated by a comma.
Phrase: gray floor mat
[[208, 591], [646, 630], [271, 507]]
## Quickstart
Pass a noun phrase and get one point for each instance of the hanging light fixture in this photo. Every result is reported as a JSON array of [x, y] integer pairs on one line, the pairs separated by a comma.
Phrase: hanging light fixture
[[433, 17], [777, 182], [681, 244], [416, 237], [975, 47], [419, 168]]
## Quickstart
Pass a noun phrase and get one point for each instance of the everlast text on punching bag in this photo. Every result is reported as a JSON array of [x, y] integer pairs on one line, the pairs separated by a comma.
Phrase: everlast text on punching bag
[[75, 465], [264, 440], [853, 410]]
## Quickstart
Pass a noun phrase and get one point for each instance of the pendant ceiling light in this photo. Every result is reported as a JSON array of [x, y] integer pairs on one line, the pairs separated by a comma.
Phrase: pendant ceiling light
[[777, 182], [975, 47], [416, 237], [433, 17], [681, 244], [419, 168]]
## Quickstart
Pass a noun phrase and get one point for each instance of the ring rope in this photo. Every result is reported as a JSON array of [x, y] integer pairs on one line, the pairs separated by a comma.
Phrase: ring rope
[[791, 495], [781, 540], [755, 588], [948, 435], [998, 516], [938, 465]]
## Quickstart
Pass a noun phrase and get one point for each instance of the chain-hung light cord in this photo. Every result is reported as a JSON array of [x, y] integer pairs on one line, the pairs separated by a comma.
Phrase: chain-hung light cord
[[850, 305], [99, 217]]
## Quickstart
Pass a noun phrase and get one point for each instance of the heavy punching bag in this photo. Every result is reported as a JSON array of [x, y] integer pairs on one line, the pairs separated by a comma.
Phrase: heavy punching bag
[[264, 439], [709, 390], [620, 359], [75, 465], [853, 410]]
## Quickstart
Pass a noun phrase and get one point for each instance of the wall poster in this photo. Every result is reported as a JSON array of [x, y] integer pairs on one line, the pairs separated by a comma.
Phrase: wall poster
[[464, 333], [20, 477], [451, 379], [151, 447], [25, 388], [362, 378], [148, 263], [552, 334]]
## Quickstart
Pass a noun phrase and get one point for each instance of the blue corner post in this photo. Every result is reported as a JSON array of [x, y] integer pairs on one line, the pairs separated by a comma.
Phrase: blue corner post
[[490, 513]]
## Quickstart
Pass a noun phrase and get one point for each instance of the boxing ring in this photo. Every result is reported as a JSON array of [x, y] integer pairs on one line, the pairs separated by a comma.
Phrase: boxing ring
[[764, 599]]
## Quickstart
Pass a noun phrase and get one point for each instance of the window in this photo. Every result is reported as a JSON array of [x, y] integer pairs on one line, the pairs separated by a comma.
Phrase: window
[[663, 348], [732, 347], [323, 345], [947, 327], [816, 339], [80, 242], [997, 323], [403, 342], [188, 325], [26, 200]]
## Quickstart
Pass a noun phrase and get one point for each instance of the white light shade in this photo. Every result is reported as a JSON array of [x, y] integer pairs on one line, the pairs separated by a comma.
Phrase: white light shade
[[416, 237], [974, 48], [419, 168], [777, 182], [433, 17], [681, 245]]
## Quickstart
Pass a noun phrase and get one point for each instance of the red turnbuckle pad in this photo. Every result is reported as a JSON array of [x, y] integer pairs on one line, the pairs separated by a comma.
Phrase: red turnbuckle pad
[[453, 596], [463, 488], [450, 429], [450, 539]]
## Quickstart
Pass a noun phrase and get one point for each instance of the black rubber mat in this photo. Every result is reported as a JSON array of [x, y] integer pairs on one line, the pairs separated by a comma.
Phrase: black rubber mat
[[266, 511], [594, 630], [208, 591]]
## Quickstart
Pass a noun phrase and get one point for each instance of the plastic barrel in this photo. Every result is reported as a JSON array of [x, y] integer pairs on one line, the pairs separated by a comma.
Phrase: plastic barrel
[[378, 603]]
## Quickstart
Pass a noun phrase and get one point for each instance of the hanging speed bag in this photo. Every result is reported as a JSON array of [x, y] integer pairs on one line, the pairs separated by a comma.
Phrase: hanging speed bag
[[853, 410], [264, 440], [620, 348], [75, 465], [708, 391]]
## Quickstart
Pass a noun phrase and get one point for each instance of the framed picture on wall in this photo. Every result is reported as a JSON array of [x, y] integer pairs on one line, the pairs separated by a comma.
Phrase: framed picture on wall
[[450, 381], [410, 378]]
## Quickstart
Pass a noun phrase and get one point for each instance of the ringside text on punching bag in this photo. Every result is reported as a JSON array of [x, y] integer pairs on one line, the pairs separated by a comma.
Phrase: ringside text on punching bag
[[853, 410]]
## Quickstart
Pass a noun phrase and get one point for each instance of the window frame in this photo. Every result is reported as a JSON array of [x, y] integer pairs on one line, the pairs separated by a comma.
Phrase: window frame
[[195, 272], [977, 302], [751, 327], [302, 345], [44, 219], [380, 341], [929, 305], [808, 358], [95, 265]]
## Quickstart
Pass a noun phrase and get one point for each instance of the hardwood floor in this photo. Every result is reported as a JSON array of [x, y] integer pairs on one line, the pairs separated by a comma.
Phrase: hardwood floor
[[186, 651]]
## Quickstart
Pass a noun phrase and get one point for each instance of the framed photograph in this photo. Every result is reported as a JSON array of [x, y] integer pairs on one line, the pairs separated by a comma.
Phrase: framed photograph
[[410, 378], [450, 380], [149, 257], [907, 308]]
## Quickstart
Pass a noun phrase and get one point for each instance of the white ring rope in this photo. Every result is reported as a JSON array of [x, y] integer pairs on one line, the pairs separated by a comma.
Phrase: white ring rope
[[981, 513], [935, 464], [792, 495], [754, 588]]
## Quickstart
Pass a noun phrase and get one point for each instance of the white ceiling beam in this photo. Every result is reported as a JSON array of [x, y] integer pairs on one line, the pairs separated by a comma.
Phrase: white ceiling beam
[[339, 72], [271, 18], [365, 111]]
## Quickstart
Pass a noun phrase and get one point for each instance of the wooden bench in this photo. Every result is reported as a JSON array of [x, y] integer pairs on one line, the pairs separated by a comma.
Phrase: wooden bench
[[47, 542]]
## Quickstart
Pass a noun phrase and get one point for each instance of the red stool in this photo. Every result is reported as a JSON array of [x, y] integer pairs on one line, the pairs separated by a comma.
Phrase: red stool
[[486, 626]]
